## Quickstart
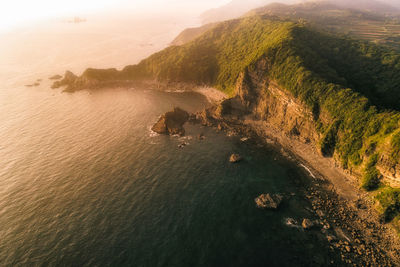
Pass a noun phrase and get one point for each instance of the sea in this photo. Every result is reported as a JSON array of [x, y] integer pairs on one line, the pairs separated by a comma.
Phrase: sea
[[85, 182]]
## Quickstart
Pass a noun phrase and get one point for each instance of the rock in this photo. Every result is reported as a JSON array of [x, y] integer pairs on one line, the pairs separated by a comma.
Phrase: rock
[[201, 136], [331, 238], [183, 145], [69, 79], [291, 222], [267, 201], [320, 213], [160, 127], [327, 226], [307, 224], [55, 77], [171, 123], [235, 158]]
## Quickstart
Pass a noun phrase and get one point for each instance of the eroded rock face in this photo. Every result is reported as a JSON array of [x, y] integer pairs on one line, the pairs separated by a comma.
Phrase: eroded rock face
[[171, 123], [267, 201]]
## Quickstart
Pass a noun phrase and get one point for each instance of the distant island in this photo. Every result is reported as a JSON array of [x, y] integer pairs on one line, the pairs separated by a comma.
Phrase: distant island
[[77, 20]]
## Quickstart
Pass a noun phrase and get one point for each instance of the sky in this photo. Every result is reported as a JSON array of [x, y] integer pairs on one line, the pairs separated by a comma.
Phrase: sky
[[18, 12]]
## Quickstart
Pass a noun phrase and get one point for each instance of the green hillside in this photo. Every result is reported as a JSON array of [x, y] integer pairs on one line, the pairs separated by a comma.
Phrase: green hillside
[[356, 82]]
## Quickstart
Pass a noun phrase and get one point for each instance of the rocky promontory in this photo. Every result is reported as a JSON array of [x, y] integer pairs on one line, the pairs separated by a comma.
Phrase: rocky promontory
[[90, 79], [171, 123], [68, 79]]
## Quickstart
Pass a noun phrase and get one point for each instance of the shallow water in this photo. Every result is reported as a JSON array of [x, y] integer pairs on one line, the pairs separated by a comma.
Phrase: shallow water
[[84, 182]]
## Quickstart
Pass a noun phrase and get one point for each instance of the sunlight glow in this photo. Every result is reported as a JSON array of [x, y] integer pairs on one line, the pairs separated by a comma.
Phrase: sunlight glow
[[15, 12]]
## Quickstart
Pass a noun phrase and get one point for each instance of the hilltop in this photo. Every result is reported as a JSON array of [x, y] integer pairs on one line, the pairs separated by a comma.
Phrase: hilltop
[[375, 22], [235, 9]]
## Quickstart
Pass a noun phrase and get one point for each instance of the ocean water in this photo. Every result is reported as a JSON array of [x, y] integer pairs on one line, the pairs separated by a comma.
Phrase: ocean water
[[84, 182]]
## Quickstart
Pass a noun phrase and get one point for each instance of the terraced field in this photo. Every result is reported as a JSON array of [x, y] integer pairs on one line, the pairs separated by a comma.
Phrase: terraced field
[[368, 26], [378, 32]]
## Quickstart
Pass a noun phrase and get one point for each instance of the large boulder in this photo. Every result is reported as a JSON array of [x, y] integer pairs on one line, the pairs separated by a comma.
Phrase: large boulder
[[171, 123], [235, 158], [307, 224], [267, 201]]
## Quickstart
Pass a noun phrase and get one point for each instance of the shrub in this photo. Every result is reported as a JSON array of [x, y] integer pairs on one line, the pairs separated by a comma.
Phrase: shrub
[[371, 178], [389, 200]]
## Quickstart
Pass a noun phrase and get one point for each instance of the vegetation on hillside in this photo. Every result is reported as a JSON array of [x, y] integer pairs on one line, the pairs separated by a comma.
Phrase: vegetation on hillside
[[356, 83]]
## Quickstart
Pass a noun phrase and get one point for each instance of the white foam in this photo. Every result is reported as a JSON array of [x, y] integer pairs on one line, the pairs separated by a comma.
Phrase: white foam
[[309, 171]]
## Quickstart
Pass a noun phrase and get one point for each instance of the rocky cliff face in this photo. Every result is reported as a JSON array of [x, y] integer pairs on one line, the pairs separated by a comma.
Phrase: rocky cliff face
[[266, 101], [261, 99], [389, 170]]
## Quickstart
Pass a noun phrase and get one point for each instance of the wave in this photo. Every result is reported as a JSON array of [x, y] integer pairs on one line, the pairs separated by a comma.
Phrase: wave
[[309, 171]]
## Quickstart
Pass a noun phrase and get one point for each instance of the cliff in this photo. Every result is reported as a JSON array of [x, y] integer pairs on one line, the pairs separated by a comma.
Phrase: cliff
[[338, 94]]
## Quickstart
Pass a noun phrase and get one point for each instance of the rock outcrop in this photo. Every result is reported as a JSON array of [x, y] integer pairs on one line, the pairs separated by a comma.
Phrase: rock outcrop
[[307, 224], [171, 123], [267, 201], [68, 80], [90, 79]]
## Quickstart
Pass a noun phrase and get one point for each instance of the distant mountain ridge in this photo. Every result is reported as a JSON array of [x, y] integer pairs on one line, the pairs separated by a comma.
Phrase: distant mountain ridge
[[237, 8], [324, 15], [363, 5]]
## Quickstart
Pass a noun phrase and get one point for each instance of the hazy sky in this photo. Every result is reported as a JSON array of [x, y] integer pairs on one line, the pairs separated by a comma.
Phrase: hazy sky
[[15, 12]]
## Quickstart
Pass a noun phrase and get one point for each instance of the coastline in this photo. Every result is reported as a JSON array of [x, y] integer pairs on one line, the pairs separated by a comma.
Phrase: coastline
[[337, 193], [356, 231], [351, 224]]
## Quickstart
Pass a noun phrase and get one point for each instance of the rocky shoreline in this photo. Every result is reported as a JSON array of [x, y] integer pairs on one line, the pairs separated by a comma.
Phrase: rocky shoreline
[[347, 218]]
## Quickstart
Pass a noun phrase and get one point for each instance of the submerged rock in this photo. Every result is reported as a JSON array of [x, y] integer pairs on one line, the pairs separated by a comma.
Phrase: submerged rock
[[33, 85], [235, 158], [183, 145], [171, 123], [267, 201]]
